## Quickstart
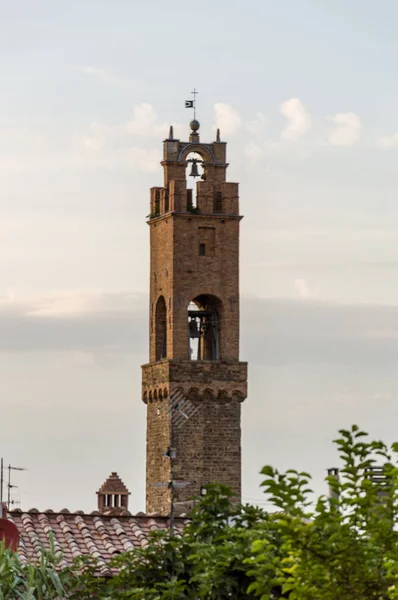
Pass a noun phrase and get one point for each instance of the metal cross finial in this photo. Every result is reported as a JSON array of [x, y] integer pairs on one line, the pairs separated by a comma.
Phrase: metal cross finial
[[194, 94]]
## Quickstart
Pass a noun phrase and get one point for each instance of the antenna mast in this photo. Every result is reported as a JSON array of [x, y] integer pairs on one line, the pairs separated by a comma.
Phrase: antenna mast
[[194, 94], [9, 485], [1, 488]]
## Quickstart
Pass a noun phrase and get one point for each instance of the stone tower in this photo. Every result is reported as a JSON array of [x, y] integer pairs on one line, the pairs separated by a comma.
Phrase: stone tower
[[194, 383]]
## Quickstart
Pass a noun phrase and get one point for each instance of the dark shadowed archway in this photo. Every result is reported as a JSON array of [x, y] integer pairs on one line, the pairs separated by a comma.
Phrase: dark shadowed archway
[[204, 316], [161, 328]]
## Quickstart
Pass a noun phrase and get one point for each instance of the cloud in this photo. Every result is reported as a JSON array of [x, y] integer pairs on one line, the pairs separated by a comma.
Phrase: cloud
[[146, 159], [82, 359], [102, 145], [68, 304], [111, 145], [93, 327], [74, 322], [346, 131], [293, 332], [255, 155], [257, 126], [144, 122], [88, 154], [383, 334], [304, 359], [304, 291], [389, 141], [96, 137], [381, 396], [106, 76], [347, 398], [226, 118], [298, 119]]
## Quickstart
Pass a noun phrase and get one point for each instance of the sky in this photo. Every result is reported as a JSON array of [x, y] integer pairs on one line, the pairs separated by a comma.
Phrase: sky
[[305, 93]]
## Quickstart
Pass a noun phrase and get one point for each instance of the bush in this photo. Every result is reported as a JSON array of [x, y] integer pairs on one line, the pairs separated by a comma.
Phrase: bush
[[340, 548]]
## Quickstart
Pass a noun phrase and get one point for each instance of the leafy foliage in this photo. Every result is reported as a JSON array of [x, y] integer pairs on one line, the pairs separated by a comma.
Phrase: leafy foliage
[[193, 209], [342, 547], [346, 547]]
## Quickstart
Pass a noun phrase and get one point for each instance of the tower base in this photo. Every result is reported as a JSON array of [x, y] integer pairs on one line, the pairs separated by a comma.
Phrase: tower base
[[194, 411]]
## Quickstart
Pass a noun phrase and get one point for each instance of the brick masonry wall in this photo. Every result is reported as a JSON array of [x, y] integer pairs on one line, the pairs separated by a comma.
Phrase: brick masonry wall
[[208, 449], [179, 274], [157, 466], [207, 444]]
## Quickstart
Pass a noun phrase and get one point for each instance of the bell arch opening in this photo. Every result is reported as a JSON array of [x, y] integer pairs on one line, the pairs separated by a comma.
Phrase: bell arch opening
[[194, 169], [203, 150], [161, 329], [204, 314]]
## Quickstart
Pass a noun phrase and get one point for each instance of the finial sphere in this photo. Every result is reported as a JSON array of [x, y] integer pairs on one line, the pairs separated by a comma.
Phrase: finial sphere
[[194, 125]]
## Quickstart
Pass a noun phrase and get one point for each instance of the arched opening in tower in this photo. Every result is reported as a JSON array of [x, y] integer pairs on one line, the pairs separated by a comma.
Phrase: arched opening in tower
[[194, 170], [204, 328], [161, 329]]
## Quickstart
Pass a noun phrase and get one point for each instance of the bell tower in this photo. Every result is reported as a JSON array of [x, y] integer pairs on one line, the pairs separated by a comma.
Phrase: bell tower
[[194, 383]]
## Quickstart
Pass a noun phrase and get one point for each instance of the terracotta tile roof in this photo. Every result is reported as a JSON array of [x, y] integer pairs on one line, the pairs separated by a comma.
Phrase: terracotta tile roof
[[78, 534], [113, 485]]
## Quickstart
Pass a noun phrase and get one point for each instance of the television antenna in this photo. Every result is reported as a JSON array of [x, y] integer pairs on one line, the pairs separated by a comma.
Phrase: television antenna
[[10, 486], [172, 485]]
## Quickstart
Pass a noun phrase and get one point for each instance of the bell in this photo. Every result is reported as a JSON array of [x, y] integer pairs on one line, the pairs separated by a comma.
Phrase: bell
[[193, 329], [194, 169]]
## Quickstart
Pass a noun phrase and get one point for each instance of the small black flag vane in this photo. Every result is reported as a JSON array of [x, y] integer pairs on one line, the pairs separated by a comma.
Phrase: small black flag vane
[[188, 103]]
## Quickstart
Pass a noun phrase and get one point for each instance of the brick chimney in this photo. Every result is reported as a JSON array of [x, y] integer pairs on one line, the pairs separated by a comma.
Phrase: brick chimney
[[113, 497]]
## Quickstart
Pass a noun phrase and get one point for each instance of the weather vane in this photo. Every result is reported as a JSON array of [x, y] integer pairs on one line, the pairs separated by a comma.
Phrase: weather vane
[[192, 103]]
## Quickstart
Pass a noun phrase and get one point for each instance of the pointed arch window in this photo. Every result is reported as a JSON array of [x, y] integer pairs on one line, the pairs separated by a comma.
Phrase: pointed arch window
[[161, 328], [193, 170], [204, 328]]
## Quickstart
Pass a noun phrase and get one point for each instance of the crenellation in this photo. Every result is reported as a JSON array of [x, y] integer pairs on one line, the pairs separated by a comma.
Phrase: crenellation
[[178, 196], [220, 152], [171, 149]]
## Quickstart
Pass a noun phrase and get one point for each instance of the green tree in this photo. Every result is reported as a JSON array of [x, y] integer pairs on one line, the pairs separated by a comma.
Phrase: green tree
[[344, 547], [340, 548]]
